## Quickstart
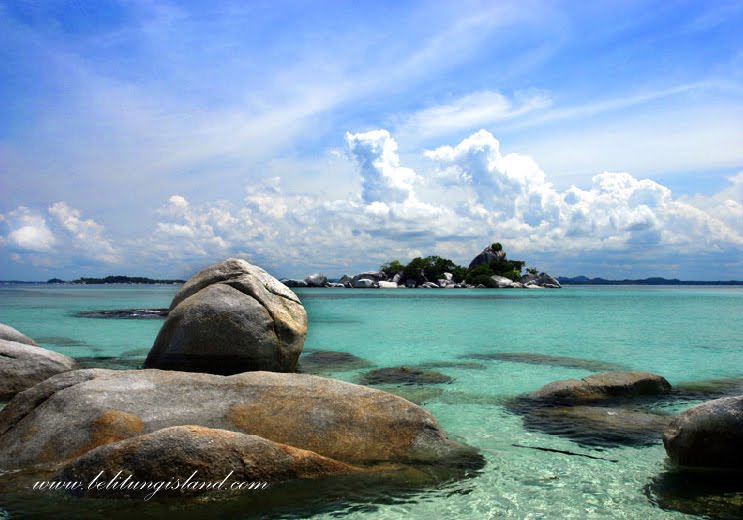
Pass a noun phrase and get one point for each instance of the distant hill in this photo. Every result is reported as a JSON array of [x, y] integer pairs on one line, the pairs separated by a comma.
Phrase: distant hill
[[584, 280], [116, 279]]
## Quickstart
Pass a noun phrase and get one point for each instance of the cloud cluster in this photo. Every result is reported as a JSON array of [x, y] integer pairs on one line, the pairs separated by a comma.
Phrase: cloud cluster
[[471, 194], [57, 237]]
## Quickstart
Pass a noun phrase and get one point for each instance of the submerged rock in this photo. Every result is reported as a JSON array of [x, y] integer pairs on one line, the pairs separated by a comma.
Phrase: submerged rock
[[71, 414], [467, 365], [709, 435], [404, 376], [599, 425], [229, 318], [603, 386], [704, 494], [322, 361], [543, 359], [8, 333], [124, 314], [23, 365], [216, 455]]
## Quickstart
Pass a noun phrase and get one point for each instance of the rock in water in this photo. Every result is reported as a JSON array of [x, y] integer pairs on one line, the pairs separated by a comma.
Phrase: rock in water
[[294, 283], [231, 317], [603, 386], [174, 453], [709, 435], [23, 365], [8, 333], [70, 414], [316, 280], [502, 282]]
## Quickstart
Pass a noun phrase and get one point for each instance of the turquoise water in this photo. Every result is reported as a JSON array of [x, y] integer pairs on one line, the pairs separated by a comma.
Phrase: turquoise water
[[685, 334]]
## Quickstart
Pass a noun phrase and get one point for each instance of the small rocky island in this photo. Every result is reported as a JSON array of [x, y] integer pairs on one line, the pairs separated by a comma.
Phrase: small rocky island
[[489, 269]]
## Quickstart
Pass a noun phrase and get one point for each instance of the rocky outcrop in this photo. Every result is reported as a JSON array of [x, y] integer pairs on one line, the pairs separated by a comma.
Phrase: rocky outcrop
[[387, 285], [502, 282], [374, 276], [23, 365], [71, 414], [8, 333], [709, 435], [316, 280], [488, 255], [290, 282], [540, 280], [173, 453], [363, 283], [603, 386], [602, 410], [231, 317]]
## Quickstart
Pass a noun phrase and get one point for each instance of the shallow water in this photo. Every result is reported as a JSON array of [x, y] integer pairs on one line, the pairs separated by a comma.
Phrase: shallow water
[[684, 333]]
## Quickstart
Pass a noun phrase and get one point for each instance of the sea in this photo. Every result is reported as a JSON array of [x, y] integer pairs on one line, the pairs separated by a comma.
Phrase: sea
[[494, 346]]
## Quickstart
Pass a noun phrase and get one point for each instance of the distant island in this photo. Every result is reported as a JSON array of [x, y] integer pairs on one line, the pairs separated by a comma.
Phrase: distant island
[[583, 280], [115, 279]]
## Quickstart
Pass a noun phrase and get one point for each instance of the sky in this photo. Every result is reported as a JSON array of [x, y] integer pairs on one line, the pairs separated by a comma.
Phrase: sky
[[154, 138]]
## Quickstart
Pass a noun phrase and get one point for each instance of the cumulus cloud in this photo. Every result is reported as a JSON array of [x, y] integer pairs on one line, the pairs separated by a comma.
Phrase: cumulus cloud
[[28, 231], [85, 235], [383, 178], [61, 236]]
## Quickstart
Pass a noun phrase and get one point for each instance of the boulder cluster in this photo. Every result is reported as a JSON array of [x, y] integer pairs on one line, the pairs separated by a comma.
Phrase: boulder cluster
[[218, 395]]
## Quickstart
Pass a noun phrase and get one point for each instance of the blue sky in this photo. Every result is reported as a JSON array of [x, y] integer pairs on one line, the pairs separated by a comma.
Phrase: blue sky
[[153, 138]]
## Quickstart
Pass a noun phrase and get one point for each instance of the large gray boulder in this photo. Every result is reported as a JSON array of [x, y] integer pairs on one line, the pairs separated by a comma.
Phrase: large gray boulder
[[8, 333], [502, 282], [316, 280], [374, 276], [487, 255], [540, 280], [364, 283], [603, 386], [709, 435], [231, 317], [216, 455], [71, 414], [23, 365]]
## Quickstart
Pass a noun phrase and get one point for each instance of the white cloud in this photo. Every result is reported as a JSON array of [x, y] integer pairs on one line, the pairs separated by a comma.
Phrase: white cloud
[[87, 236], [382, 176], [60, 237], [29, 231], [473, 110]]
